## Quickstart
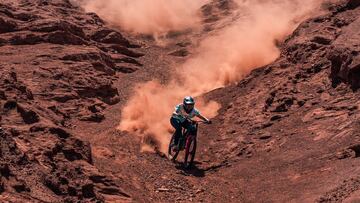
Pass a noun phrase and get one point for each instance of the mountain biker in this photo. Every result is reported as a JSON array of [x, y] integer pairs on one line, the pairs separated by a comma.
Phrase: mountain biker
[[180, 116]]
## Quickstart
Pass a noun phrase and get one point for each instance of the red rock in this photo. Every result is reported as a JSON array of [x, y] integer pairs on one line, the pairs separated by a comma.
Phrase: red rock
[[110, 37], [61, 37], [29, 116], [7, 25]]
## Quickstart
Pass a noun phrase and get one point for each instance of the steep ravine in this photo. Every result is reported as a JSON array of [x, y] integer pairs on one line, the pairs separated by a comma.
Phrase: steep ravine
[[287, 132]]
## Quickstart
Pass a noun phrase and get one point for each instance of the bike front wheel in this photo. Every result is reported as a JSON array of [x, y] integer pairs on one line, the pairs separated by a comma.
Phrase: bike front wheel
[[172, 152], [190, 150]]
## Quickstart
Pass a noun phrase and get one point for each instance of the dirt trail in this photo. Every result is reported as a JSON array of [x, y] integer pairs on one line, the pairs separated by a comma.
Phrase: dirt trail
[[118, 153], [269, 157], [265, 163]]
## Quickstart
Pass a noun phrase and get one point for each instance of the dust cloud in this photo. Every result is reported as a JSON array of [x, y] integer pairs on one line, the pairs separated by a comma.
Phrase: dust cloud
[[225, 57], [248, 43], [147, 113], [154, 17]]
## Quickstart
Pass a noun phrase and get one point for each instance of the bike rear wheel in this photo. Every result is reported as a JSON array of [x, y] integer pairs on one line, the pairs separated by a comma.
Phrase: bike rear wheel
[[190, 151], [172, 153]]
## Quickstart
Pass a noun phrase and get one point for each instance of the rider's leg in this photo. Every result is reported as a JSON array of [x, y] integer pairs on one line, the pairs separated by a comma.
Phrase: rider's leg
[[177, 125]]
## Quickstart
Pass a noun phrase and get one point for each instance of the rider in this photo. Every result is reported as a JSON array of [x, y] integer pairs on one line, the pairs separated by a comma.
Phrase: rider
[[180, 116]]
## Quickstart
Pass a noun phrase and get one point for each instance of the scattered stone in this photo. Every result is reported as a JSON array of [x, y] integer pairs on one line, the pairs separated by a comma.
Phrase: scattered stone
[[115, 38], [5, 171], [21, 187], [105, 92], [98, 178], [113, 191], [61, 133], [198, 191], [72, 154], [94, 117], [356, 149], [65, 97], [124, 69], [14, 132], [266, 125], [180, 53], [7, 25], [231, 131], [53, 185], [72, 191], [28, 116], [265, 136], [88, 191], [122, 50], [163, 189], [110, 36], [38, 128], [275, 117], [183, 44], [321, 40], [130, 60], [10, 105], [95, 108], [345, 154], [103, 68]]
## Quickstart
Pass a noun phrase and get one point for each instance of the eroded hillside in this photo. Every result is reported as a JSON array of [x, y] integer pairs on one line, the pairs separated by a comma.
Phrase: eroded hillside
[[57, 64], [288, 132]]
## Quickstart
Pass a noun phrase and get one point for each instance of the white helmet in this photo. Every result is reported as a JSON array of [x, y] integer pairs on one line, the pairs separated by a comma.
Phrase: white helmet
[[188, 100]]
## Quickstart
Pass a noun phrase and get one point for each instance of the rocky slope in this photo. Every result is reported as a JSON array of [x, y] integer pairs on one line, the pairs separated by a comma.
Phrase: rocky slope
[[288, 132], [57, 63]]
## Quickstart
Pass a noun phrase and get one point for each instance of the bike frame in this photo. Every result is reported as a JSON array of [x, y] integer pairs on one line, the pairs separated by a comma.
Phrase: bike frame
[[188, 137], [184, 144]]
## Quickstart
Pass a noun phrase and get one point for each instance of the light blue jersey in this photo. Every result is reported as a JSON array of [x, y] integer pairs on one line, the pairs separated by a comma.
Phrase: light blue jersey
[[181, 114]]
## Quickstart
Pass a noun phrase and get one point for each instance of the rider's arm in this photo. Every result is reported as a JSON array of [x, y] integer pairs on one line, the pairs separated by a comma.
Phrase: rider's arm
[[177, 111], [203, 118], [198, 114]]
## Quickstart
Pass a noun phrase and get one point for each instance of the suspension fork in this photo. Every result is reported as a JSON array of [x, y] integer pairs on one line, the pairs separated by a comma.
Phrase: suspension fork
[[189, 137]]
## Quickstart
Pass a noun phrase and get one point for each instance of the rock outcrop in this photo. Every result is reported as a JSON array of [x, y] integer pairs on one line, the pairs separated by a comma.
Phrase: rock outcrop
[[54, 69]]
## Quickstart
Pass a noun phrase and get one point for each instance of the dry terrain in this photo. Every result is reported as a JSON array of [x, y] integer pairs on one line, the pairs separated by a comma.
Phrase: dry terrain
[[287, 132]]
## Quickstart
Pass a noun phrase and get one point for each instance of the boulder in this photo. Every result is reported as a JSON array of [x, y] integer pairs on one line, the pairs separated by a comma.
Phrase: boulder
[[29, 116], [7, 25], [62, 37], [345, 66], [109, 36]]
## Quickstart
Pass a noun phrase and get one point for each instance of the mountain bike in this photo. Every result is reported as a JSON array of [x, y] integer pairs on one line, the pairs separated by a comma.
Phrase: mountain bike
[[186, 142]]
